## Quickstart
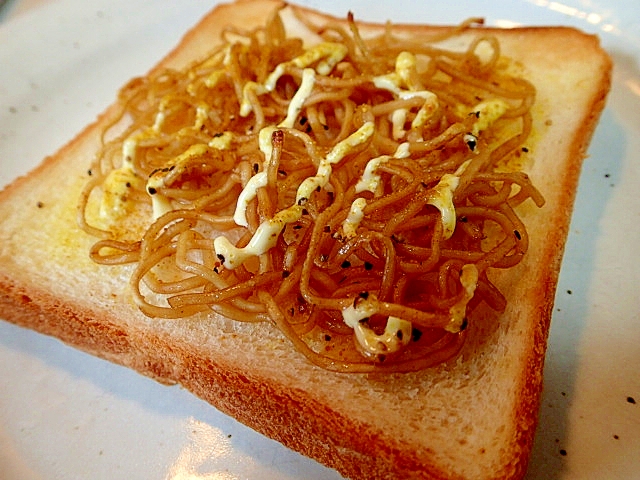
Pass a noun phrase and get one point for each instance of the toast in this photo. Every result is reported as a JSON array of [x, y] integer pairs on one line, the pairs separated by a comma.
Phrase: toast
[[471, 417]]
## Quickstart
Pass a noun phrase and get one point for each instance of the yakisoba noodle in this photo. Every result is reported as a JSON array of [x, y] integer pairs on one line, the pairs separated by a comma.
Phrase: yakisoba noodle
[[342, 192]]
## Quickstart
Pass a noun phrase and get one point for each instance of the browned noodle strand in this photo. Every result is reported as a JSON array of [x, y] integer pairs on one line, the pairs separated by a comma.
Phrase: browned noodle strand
[[186, 151]]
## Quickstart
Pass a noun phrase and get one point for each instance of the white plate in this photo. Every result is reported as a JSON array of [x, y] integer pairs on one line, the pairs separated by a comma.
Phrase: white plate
[[66, 415]]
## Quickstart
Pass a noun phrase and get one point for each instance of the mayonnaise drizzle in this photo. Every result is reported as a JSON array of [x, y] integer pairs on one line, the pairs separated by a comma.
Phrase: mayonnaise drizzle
[[441, 197], [265, 144], [325, 56], [248, 193], [397, 332], [115, 201], [458, 312], [355, 216], [296, 103], [267, 232], [400, 83], [369, 180], [487, 113]]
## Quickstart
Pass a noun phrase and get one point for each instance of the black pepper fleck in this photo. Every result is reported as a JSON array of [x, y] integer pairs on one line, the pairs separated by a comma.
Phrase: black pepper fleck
[[465, 324], [563, 452], [346, 264], [415, 334], [631, 400], [368, 265], [517, 234], [471, 141], [569, 292], [40, 204], [285, 273]]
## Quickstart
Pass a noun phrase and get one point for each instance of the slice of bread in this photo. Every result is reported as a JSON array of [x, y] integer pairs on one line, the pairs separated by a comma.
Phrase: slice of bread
[[472, 417]]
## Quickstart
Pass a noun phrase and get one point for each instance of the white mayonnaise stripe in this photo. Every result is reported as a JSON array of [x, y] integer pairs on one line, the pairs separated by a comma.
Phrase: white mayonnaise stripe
[[325, 55], [267, 233], [248, 193], [337, 153], [397, 332], [458, 312], [400, 84], [369, 180], [115, 201], [296, 103], [262, 240], [330, 54], [355, 216], [266, 147], [487, 113], [441, 197]]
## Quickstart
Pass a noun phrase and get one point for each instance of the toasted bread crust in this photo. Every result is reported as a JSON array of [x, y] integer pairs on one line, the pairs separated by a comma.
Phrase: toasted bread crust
[[114, 330], [303, 424]]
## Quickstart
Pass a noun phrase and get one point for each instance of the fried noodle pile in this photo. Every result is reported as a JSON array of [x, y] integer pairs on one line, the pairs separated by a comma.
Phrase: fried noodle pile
[[341, 190]]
